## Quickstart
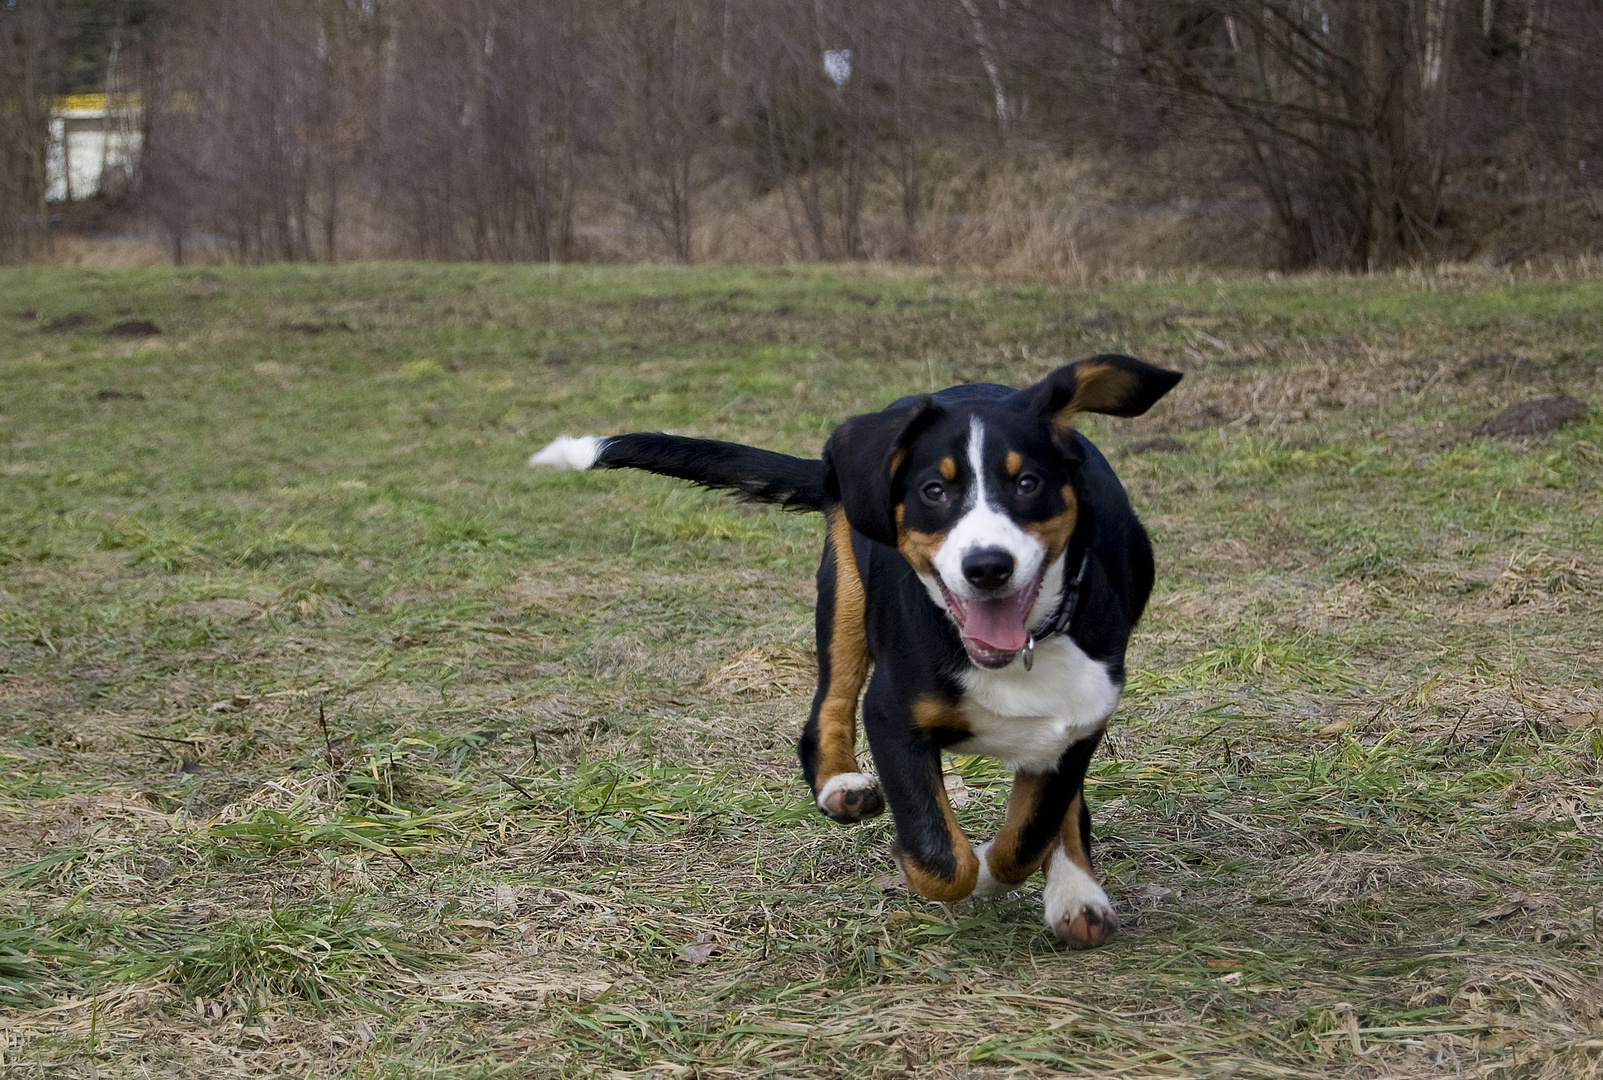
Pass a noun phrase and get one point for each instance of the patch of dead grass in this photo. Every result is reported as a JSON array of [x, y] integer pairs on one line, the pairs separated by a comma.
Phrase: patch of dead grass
[[1340, 876], [1546, 579], [764, 671], [558, 588]]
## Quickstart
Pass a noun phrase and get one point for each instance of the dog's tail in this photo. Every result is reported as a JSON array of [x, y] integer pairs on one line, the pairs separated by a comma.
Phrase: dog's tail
[[758, 475]]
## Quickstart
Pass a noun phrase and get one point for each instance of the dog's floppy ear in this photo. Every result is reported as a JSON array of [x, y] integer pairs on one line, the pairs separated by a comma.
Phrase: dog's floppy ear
[[1110, 383], [862, 459]]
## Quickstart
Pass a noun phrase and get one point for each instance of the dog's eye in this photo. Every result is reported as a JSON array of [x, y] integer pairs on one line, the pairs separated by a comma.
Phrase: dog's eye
[[1028, 485], [933, 492]]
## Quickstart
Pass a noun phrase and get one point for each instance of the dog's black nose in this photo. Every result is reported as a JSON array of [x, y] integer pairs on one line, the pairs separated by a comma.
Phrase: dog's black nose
[[988, 568]]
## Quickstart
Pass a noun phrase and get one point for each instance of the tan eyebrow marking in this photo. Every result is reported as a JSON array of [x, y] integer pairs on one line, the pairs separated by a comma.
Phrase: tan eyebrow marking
[[1054, 532], [1014, 463], [948, 468]]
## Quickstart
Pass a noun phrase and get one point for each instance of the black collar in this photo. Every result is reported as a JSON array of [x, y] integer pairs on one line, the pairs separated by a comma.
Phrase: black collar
[[1058, 622]]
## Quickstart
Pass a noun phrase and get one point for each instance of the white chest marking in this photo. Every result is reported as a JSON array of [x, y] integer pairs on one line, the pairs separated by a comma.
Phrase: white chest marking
[[1028, 718]]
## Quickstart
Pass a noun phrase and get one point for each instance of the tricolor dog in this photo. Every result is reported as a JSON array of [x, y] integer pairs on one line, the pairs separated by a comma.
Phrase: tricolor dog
[[982, 572]]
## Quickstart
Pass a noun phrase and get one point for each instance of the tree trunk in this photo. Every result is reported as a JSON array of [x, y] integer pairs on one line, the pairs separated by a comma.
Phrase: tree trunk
[[1383, 110]]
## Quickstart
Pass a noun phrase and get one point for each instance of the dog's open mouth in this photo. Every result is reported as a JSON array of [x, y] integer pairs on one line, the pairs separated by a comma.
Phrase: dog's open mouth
[[993, 630]]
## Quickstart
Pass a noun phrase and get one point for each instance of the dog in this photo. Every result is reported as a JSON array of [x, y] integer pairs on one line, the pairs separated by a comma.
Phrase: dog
[[981, 575]]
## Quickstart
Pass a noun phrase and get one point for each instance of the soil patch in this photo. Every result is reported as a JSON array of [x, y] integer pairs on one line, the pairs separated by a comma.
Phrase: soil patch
[[1535, 417], [1163, 444], [133, 328], [67, 323]]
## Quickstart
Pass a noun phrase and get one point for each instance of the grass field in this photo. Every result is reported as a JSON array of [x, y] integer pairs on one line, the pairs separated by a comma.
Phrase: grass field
[[335, 742]]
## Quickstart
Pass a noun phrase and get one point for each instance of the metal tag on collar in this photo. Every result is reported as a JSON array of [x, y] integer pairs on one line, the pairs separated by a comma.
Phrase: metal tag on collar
[[1029, 653]]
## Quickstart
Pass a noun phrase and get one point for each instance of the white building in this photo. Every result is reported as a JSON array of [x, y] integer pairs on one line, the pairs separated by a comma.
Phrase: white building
[[94, 145]]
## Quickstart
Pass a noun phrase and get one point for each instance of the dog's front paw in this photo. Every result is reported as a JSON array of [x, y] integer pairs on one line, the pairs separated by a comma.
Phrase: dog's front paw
[[1087, 927], [1077, 910], [851, 797]]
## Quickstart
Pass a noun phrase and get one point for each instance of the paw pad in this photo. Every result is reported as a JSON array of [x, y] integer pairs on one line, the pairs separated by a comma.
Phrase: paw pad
[[851, 797], [1086, 928]]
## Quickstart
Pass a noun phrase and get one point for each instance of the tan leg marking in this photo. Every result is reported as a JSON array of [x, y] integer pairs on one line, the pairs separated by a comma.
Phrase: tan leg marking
[[929, 712], [932, 887], [848, 659], [1073, 845], [1002, 856]]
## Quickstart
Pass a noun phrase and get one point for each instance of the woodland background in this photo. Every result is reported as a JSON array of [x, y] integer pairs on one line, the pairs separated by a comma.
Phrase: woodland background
[[1026, 134]]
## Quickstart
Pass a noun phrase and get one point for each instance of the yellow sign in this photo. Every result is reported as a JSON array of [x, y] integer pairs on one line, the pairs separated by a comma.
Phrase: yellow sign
[[95, 103]]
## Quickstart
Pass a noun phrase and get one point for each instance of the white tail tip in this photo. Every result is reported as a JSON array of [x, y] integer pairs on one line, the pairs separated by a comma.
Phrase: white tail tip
[[569, 452]]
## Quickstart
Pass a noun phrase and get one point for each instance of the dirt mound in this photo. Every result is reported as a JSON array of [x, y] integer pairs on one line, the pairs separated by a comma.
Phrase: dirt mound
[[1535, 417], [133, 328], [767, 671], [66, 324], [1163, 444]]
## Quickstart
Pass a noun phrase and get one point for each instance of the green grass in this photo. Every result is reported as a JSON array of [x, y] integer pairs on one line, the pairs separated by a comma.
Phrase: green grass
[[334, 741]]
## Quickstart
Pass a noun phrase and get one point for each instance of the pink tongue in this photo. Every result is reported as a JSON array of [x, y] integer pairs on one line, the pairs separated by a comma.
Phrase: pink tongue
[[997, 624]]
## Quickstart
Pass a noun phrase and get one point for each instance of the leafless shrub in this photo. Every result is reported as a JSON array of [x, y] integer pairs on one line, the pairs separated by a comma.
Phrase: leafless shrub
[[1364, 134], [659, 69], [836, 98], [1353, 118], [260, 122], [480, 109]]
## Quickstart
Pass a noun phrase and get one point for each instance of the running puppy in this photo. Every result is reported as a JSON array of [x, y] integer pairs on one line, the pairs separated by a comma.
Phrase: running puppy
[[982, 572]]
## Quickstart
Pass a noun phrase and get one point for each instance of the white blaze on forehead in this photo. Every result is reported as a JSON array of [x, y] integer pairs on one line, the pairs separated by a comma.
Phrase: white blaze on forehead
[[984, 524]]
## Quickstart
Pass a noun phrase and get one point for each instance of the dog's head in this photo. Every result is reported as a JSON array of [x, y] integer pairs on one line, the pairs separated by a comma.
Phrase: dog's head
[[979, 495]]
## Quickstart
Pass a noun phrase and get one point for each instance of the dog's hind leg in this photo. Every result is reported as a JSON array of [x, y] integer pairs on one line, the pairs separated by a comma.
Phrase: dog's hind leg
[[828, 744], [1027, 835]]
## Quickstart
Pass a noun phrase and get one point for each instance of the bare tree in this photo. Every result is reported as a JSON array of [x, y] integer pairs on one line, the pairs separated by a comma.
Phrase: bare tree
[[909, 52], [1338, 108], [660, 63], [261, 121], [27, 81], [481, 103], [990, 60]]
